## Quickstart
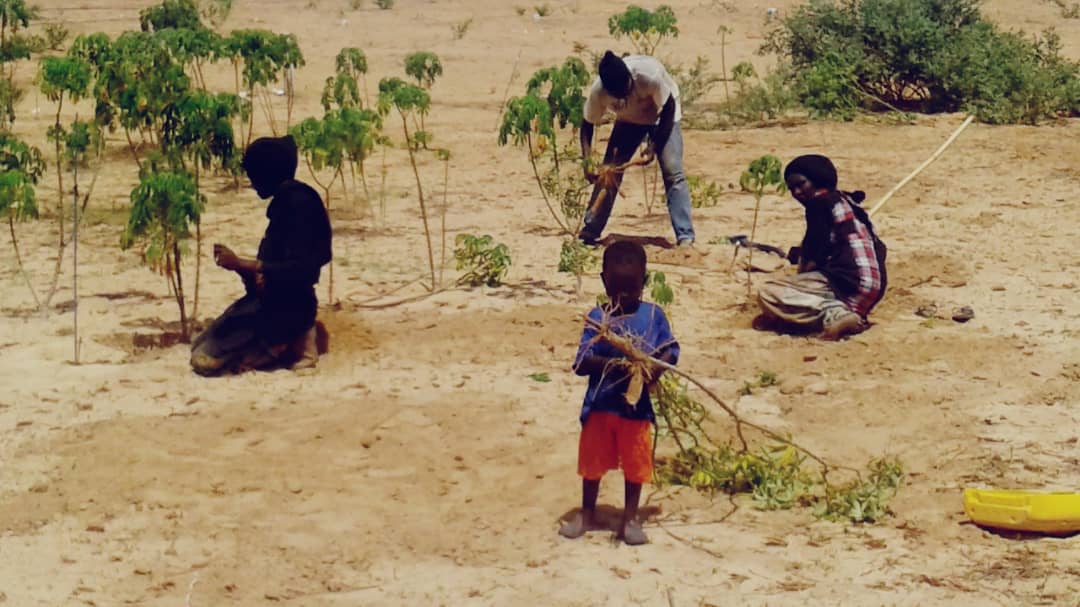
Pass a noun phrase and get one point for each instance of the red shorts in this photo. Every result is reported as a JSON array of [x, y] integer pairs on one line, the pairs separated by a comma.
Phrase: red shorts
[[609, 442]]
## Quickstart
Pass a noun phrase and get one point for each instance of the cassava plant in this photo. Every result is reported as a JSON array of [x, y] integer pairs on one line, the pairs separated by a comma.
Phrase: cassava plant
[[409, 100], [764, 174], [576, 258], [21, 166], [340, 90], [484, 261], [352, 62], [644, 28], [80, 140], [15, 15], [164, 205], [362, 133], [260, 57], [174, 14], [198, 135], [138, 79], [553, 101], [322, 143], [443, 155], [62, 77], [424, 67]]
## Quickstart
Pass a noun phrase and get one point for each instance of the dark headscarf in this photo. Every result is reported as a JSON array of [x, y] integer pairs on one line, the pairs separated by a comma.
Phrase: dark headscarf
[[271, 160], [614, 74], [815, 167]]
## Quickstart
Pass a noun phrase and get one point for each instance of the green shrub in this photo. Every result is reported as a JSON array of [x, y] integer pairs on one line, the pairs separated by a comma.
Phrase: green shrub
[[922, 55], [176, 14], [703, 193]]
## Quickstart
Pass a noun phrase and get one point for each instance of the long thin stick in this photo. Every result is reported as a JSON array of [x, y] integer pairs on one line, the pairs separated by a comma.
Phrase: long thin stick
[[922, 166], [506, 93], [75, 248]]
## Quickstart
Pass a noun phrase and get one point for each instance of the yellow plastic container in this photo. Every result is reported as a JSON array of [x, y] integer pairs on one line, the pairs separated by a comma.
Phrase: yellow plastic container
[[1052, 513]]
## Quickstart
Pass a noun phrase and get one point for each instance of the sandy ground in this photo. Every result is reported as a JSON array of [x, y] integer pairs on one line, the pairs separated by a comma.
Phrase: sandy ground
[[420, 465]]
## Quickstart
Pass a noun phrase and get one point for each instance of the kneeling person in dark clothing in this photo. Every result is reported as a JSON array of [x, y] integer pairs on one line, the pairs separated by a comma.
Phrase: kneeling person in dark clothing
[[273, 324], [841, 260]]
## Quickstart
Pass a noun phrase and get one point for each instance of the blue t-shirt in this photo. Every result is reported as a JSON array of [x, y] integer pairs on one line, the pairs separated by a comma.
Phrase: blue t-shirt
[[648, 328]]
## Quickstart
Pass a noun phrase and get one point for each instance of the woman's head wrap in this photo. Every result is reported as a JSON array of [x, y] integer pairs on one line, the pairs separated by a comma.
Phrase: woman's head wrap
[[614, 75], [816, 168]]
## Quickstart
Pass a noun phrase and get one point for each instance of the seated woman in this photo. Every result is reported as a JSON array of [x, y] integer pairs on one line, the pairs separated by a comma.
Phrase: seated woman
[[841, 260], [273, 324]]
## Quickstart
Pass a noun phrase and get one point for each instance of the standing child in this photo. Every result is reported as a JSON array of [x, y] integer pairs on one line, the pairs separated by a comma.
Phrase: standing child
[[841, 260], [615, 433]]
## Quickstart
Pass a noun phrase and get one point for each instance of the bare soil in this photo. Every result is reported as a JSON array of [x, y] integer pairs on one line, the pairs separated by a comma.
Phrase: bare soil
[[419, 464]]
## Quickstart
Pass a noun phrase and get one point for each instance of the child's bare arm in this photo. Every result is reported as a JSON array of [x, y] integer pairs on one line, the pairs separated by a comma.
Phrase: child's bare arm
[[666, 355], [597, 364]]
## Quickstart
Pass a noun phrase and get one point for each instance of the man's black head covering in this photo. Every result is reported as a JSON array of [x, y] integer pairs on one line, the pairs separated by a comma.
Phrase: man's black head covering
[[614, 75], [271, 160], [815, 167]]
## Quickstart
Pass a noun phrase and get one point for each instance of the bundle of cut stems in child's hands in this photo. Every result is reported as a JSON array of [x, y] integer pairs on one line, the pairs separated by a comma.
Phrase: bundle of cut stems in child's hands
[[639, 367]]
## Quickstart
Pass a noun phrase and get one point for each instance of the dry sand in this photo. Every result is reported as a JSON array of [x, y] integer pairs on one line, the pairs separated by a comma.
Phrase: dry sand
[[419, 465]]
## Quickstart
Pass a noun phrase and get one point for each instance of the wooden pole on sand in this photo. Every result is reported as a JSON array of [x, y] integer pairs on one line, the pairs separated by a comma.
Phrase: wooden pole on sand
[[932, 158]]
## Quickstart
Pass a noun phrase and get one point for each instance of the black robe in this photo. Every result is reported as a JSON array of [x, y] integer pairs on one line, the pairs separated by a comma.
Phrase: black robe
[[295, 246]]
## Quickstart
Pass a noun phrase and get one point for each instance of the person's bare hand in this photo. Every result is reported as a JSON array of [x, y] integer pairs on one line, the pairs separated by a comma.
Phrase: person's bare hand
[[653, 372], [649, 154], [225, 258]]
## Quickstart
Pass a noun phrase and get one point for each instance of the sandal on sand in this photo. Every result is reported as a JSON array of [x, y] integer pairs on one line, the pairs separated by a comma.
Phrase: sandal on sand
[[963, 314], [927, 311]]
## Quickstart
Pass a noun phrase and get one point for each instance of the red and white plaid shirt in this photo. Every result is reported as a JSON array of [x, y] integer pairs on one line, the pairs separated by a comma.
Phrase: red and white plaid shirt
[[845, 225]]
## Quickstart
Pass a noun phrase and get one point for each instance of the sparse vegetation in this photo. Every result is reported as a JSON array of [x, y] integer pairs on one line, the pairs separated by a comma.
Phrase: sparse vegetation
[[484, 261], [763, 174], [704, 193], [553, 101], [645, 29], [923, 55], [461, 28], [577, 259], [164, 206]]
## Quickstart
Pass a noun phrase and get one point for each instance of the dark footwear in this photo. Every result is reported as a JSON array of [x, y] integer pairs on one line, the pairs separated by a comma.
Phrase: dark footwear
[[588, 238], [634, 535], [963, 314], [842, 325]]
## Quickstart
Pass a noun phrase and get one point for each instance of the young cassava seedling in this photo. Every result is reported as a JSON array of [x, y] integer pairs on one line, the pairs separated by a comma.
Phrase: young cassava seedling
[[763, 174], [409, 100]]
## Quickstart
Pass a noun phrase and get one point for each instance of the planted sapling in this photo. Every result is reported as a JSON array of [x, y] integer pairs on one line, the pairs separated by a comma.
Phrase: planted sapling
[[644, 28], [163, 207], [485, 262], [424, 67], [763, 174], [408, 100]]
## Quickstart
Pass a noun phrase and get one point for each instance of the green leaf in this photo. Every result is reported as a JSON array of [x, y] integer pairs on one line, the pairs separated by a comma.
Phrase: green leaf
[[540, 377]]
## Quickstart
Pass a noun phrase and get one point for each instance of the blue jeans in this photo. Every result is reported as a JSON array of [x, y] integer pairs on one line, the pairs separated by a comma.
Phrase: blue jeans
[[624, 142]]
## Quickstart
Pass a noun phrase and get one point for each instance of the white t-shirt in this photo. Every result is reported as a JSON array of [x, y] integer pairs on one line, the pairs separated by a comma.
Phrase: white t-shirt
[[652, 85]]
